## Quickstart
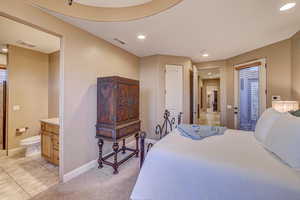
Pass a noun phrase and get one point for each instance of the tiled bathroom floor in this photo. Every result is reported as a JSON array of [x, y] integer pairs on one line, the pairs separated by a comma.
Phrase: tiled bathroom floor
[[24, 177]]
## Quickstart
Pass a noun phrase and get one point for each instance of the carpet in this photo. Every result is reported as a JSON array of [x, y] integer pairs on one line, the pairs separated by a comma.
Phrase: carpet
[[97, 184]]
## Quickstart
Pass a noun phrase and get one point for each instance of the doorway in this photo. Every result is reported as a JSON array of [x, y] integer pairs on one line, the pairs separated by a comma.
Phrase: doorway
[[174, 90], [210, 96], [250, 94], [33, 94]]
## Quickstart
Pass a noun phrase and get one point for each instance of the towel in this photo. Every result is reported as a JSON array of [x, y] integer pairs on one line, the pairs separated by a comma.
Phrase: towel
[[199, 132]]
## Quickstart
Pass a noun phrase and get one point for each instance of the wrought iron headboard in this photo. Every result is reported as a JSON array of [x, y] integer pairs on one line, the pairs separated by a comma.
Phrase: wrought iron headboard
[[166, 127], [161, 130]]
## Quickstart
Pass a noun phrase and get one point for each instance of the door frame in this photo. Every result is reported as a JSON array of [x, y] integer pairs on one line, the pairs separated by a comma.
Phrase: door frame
[[195, 95], [61, 86], [191, 76], [4, 107], [182, 85], [262, 88], [222, 91]]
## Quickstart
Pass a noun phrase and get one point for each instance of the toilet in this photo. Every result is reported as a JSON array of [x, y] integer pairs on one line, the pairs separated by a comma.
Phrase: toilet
[[32, 145]]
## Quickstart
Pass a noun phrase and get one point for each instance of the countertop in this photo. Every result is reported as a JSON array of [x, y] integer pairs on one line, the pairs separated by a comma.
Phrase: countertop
[[54, 121]]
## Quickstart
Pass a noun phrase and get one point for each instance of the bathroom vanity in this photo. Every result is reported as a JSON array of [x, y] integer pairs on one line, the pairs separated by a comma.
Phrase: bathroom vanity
[[50, 140]]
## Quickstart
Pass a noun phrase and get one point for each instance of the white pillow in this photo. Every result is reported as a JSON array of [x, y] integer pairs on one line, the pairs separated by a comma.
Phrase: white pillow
[[265, 123], [284, 139]]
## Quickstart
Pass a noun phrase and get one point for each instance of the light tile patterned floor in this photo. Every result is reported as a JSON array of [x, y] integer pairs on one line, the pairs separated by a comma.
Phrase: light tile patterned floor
[[209, 118], [24, 177]]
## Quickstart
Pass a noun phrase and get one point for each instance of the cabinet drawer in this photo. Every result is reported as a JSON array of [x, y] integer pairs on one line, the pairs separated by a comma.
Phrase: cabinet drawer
[[50, 128], [128, 130]]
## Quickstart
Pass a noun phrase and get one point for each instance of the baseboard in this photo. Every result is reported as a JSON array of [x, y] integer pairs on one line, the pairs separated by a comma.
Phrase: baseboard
[[84, 168], [80, 170]]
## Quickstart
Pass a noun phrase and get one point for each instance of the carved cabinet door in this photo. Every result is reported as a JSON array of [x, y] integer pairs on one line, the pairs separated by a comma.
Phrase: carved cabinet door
[[122, 103], [133, 102]]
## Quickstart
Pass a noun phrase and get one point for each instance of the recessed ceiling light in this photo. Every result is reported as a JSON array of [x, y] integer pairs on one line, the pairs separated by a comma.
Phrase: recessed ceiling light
[[205, 55], [141, 37], [287, 6], [4, 50]]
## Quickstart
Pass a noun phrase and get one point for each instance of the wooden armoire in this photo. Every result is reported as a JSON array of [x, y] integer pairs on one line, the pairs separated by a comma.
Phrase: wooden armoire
[[117, 117]]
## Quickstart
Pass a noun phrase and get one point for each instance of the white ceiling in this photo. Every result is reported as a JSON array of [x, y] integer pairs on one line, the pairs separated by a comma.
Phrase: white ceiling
[[222, 28], [209, 73], [112, 3], [12, 31]]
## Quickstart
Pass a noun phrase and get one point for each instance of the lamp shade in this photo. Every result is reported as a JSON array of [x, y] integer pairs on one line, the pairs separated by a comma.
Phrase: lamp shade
[[285, 106]]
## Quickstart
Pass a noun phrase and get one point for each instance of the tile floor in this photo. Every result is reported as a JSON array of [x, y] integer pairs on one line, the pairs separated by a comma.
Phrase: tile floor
[[2, 153], [22, 178], [209, 118]]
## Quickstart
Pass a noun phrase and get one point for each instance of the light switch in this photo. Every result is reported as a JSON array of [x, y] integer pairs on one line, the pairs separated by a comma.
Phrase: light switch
[[16, 107], [229, 106]]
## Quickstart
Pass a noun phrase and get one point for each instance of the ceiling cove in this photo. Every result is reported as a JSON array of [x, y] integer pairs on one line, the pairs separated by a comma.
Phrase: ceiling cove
[[107, 11], [112, 3]]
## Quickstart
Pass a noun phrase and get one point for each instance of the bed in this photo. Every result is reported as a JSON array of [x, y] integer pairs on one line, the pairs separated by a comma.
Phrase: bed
[[233, 166]]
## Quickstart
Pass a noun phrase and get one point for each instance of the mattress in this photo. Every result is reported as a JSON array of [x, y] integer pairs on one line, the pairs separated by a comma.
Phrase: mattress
[[231, 166]]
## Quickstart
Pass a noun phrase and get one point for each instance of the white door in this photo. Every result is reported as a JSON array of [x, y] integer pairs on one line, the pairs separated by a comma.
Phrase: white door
[[249, 94], [196, 94], [174, 90]]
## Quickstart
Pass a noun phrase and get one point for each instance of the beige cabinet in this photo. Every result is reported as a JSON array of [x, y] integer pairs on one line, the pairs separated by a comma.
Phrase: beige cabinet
[[50, 142]]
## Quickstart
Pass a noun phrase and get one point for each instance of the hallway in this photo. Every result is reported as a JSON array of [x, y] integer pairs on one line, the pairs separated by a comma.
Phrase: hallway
[[209, 118]]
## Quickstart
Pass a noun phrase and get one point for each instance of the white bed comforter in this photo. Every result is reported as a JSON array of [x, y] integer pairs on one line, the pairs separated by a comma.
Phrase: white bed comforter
[[233, 166]]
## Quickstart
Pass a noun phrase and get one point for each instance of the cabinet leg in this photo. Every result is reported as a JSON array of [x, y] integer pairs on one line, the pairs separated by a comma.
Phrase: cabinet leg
[[100, 144], [123, 147], [115, 166], [137, 145]]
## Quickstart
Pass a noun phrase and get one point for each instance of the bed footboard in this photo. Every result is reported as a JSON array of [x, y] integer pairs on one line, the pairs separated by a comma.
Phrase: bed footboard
[[162, 131]]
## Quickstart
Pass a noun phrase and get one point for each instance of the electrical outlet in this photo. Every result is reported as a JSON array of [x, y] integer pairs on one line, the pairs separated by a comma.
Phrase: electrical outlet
[[276, 98]]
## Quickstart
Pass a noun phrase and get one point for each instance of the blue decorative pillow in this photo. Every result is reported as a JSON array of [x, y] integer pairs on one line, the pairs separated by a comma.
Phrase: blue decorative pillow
[[296, 113]]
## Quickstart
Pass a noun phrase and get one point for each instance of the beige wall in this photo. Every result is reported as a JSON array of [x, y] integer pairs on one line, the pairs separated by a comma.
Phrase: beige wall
[[279, 80], [27, 88], [211, 64], [152, 75], [149, 85], [85, 57], [279, 73], [296, 66], [53, 93]]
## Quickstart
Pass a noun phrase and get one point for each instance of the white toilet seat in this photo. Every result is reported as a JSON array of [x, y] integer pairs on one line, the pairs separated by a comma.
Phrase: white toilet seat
[[31, 140]]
